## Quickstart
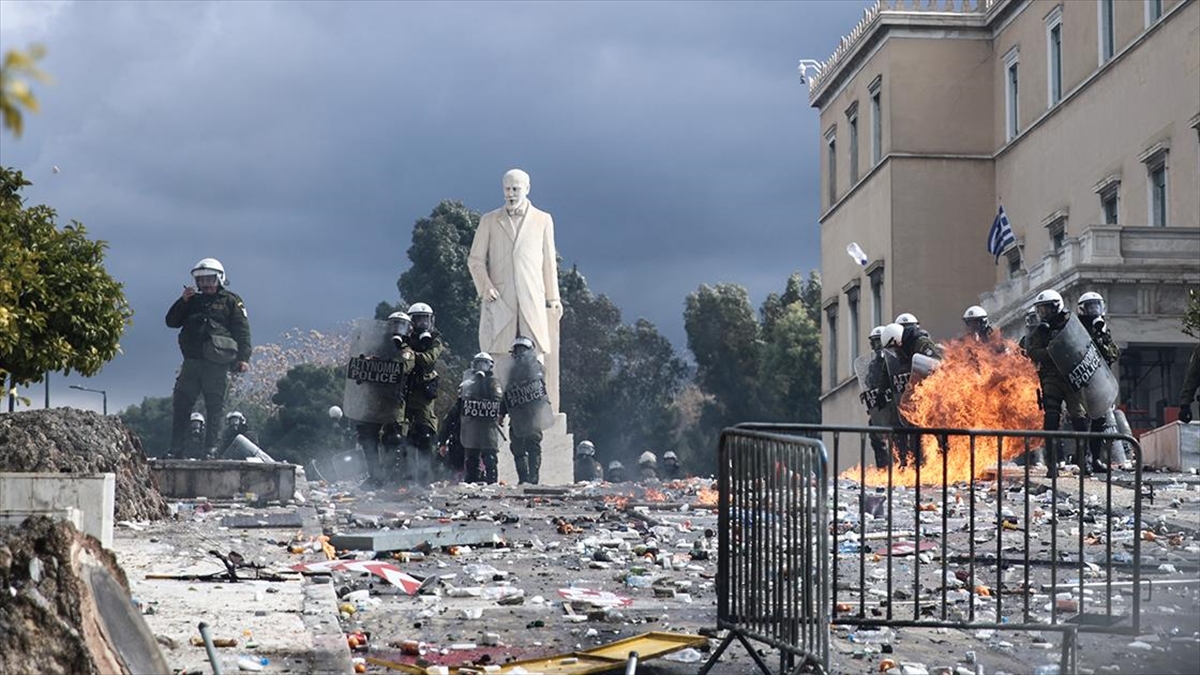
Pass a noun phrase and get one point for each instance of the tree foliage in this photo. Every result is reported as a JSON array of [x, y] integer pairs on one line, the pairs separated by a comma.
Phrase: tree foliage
[[438, 275], [300, 428], [59, 308], [752, 368], [1191, 315], [151, 421], [16, 94]]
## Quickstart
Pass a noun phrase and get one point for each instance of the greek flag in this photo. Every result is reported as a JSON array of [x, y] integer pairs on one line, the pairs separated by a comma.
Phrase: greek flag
[[1001, 236]]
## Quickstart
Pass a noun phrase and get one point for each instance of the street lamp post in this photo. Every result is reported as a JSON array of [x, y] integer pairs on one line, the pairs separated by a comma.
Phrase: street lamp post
[[94, 391]]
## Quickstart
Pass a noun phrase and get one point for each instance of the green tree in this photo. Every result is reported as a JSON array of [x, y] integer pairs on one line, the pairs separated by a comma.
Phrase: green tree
[[18, 68], [300, 428], [724, 337], [1191, 315], [151, 421], [438, 275], [790, 367], [588, 324], [647, 376], [59, 308]]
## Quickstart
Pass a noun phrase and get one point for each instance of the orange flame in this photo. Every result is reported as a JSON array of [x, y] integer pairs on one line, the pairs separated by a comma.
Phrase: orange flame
[[707, 496], [653, 495], [979, 385], [617, 501]]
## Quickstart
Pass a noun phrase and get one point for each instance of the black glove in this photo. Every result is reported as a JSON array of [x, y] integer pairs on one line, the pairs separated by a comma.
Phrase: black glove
[[1043, 326], [1185, 413]]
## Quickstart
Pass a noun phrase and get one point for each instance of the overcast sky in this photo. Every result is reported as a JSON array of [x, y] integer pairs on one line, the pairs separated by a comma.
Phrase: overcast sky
[[298, 142]]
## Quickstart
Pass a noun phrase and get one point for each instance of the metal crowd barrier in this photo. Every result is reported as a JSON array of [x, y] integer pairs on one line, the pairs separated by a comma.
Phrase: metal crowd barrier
[[966, 555], [773, 562]]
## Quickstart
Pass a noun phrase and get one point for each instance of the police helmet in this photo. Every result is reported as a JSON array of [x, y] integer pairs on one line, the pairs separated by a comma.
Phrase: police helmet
[[1091, 304], [1048, 303], [976, 318], [647, 458], [875, 337], [670, 456], [892, 335], [615, 464], [422, 315], [335, 413], [585, 449], [1031, 318], [402, 321], [482, 362], [196, 417], [907, 319], [235, 416], [209, 267], [522, 342]]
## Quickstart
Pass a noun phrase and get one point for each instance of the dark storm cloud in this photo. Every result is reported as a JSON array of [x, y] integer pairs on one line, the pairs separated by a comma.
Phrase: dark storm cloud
[[298, 142]]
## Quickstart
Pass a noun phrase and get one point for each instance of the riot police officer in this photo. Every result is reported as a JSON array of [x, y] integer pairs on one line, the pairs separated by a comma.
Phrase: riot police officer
[[647, 466], [422, 389], [528, 406], [236, 425], [586, 466], [975, 318], [877, 396], [1056, 391], [479, 422], [616, 472], [1031, 324], [214, 339], [381, 441], [915, 339], [671, 469], [1091, 315], [194, 445]]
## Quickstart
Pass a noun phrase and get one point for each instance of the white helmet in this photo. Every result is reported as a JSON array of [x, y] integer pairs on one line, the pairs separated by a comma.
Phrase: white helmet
[[1048, 303], [647, 458], [907, 319], [209, 267], [975, 312], [1091, 304], [335, 413], [874, 338], [585, 448], [196, 417], [483, 361], [521, 341], [235, 415], [670, 455], [892, 335], [422, 316]]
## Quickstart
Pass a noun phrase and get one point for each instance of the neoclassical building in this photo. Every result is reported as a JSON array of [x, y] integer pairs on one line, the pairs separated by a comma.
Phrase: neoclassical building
[[1080, 117]]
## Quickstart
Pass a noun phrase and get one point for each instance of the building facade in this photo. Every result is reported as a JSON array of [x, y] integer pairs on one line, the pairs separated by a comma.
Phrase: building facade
[[1080, 117]]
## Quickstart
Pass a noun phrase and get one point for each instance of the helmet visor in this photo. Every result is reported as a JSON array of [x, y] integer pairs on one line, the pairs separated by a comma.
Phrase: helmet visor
[[422, 322], [1092, 308], [1046, 310], [481, 365]]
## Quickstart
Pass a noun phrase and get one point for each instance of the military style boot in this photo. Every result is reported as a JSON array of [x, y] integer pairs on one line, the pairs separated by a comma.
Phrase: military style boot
[[522, 463], [473, 473], [490, 472], [535, 465]]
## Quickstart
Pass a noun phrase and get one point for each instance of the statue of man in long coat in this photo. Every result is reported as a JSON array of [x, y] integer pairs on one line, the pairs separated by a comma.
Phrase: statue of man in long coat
[[513, 262]]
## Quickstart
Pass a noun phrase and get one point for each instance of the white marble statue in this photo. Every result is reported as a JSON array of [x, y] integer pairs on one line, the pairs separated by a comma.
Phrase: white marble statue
[[513, 263]]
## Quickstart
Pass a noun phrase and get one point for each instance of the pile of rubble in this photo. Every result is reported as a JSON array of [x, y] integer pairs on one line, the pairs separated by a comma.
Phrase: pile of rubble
[[65, 605], [66, 440]]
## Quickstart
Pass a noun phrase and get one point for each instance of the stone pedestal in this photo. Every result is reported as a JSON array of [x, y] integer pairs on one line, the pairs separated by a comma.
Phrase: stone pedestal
[[558, 455]]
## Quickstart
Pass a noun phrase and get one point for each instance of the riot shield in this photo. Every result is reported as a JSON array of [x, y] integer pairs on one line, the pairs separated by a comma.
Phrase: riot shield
[[1079, 361], [374, 374], [924, 365], [479, 427], [899, 370], [525, 397], [861, 366]]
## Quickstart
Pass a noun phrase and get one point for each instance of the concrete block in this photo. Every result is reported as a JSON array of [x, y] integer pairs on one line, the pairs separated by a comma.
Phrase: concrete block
[[224, 479], [453, 534], [54, 494]]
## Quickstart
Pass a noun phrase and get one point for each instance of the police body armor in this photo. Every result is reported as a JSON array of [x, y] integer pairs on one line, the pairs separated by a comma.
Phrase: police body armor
[[899, 371], [376, 372], [1079, 361], [480, 426], [875, 390], [525, 397]]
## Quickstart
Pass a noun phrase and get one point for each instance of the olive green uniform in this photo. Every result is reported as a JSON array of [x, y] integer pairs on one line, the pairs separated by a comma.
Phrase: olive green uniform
[[419, 399], [199, 318]]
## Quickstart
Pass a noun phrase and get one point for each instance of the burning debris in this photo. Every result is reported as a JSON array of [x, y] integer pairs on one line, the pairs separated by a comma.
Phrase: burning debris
[[979, 385]]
